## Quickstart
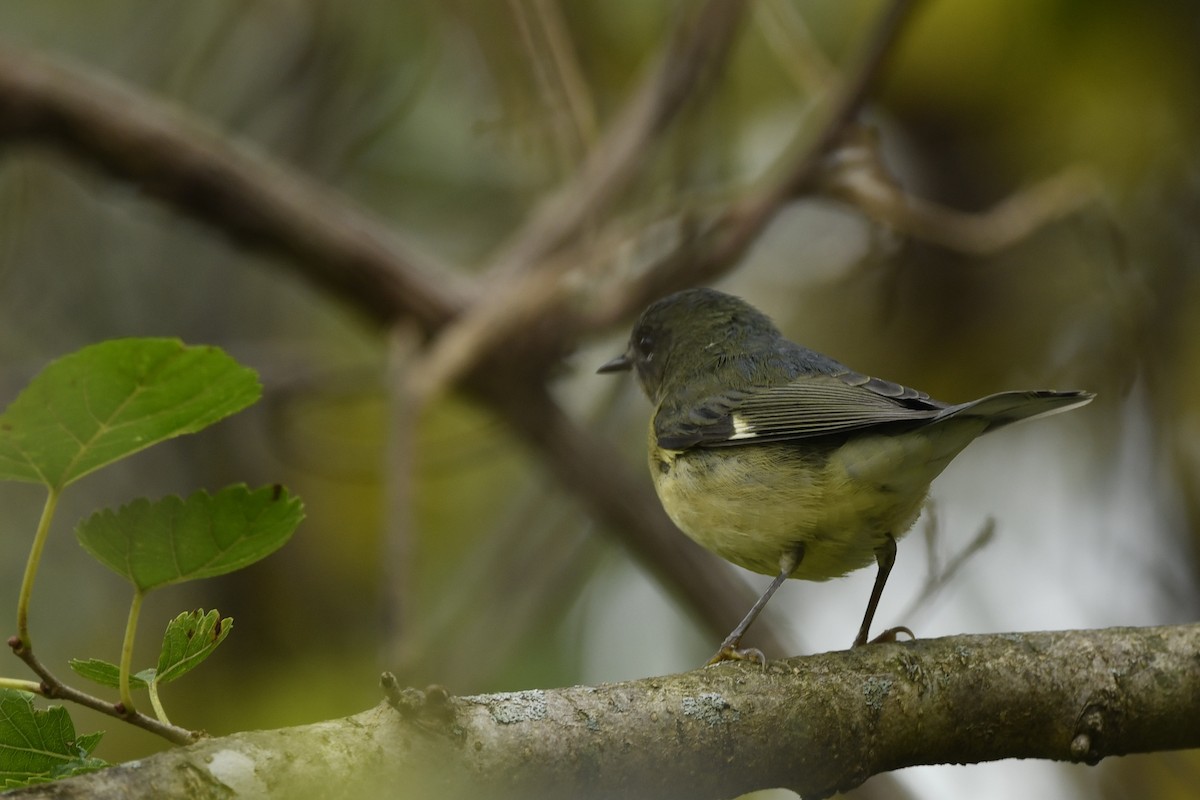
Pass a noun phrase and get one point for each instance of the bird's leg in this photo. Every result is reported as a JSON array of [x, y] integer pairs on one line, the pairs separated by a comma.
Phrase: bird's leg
[[885, 556], [729, 650]]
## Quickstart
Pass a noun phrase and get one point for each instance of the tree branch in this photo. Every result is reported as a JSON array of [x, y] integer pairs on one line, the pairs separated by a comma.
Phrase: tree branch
[[238, 190], [1012, 220], [798, 170], [688, 63], [815, 725], [54, 689]]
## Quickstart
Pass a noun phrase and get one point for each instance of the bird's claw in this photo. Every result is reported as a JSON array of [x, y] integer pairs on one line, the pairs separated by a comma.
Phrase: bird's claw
[[888, 636], [730, 653]]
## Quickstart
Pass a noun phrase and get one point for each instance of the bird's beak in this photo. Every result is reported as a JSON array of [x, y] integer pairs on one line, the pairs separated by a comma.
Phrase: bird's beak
[[619, 364]]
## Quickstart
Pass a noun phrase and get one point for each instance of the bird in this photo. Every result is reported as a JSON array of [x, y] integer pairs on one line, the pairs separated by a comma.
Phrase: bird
[[786, 462]]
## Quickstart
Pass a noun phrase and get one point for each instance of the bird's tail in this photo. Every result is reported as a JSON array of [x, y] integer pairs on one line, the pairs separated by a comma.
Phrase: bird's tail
[[1006, 408]]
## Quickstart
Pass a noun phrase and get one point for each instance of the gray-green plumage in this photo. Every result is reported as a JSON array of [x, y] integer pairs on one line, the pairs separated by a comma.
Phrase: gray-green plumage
[[775, 456]]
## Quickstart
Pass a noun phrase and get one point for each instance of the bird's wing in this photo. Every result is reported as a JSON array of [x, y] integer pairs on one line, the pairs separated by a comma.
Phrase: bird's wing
[[808, 407]]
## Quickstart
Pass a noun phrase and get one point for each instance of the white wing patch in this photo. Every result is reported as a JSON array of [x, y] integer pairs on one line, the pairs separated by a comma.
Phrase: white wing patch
[[741, 428]]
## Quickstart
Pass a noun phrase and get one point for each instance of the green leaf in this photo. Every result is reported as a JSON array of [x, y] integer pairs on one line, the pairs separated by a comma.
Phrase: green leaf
[[172, 540], [103, 673], [38, 746], [112, 399], [107, 674], [191, 637]]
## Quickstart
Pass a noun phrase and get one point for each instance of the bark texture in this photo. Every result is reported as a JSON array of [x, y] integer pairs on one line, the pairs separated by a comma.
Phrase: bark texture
[[815, 725]]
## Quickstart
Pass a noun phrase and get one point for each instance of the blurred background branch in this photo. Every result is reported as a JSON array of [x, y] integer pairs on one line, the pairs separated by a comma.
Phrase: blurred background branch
[[233, 186]]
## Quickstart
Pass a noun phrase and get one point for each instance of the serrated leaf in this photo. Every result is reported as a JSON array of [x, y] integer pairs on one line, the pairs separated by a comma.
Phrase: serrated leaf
[[172, 540], [38, 746], [112, 399], [104, 673], [190, 638]]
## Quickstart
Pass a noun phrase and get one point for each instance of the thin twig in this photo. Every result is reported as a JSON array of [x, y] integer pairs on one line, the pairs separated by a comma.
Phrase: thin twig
[[792, 44], [566, 141], [800, 168], [686, 66], [575, 91], [54, 689], [937, 579], [523, 282], [982, 233]]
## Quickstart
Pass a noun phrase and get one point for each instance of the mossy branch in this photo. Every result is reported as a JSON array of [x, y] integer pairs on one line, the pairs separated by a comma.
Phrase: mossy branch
[[815, 724]]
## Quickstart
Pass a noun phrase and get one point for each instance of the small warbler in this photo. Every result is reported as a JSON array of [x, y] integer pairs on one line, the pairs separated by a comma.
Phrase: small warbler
[[784, 461]]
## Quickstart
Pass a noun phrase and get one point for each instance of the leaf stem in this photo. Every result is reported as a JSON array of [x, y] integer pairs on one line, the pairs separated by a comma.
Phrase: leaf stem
[[21, 686], [135, 610], [31, 567], [159, 711]]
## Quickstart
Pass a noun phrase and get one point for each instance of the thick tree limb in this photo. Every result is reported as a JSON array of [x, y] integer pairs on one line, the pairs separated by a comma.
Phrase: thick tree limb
[[815, 725]]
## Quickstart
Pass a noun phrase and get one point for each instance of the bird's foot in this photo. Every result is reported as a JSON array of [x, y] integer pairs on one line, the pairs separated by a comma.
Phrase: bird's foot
[[730, 653], [887, 636]]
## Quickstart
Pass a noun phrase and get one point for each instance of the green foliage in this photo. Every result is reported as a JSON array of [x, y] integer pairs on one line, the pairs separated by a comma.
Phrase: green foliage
[[87, 410], [108, 674], [112, 399], [191, 637], [37, 746], [171, 540]]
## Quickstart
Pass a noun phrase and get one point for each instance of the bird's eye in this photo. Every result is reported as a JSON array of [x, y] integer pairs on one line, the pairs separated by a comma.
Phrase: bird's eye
[[645, 344]]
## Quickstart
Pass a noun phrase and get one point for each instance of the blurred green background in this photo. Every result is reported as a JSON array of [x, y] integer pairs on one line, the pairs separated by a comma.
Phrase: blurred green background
[[434, 116]]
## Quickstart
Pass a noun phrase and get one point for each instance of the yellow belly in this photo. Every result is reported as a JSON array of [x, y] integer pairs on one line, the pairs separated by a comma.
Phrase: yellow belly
[[751, 504]]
